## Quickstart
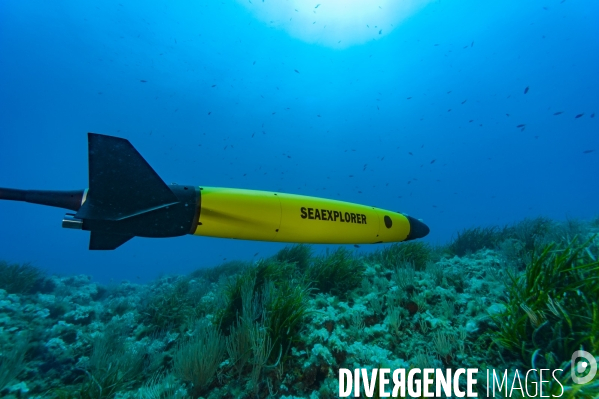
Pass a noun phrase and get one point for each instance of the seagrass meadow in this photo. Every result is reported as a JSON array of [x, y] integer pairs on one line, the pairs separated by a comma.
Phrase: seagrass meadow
[[515, 297]]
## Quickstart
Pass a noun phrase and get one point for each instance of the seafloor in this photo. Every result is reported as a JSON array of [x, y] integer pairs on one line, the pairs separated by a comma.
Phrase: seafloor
[[516, 297]]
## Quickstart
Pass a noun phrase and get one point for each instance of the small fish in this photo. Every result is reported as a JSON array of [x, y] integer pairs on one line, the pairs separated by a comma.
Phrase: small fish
[[256, 253], [587, 151], [433, 161], [296, 71], [380, 32], [410, 153], [318, 116], [526, 90], [254, 63], [317, 5], [472, 44], [143, 81], [409, 98], [213, 85], [209, 112], [356, 245], [521, 125], [464, 102], [578, 116], [558, 113], [593, 115]]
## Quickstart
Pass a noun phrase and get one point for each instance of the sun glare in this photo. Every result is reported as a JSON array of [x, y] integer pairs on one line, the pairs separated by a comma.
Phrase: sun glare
[[334, 23]]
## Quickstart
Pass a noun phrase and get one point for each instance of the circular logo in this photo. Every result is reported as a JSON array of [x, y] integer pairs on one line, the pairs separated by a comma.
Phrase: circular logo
[[583, 363]]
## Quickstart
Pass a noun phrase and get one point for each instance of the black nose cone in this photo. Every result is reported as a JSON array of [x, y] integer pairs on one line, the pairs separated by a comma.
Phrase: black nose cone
[[417, 229]]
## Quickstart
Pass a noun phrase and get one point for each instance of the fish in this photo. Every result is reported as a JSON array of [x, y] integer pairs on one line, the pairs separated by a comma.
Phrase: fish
[[410, 153], [522, 125], [381, 31], [254, 63], [433, 161], [578, 116], [464, 102], [317, 5], [526, 89], [558, 113], [143, 81], [209, 112], [587, 151], [409, 98], [356, 245], [296, 71], [213, 85]]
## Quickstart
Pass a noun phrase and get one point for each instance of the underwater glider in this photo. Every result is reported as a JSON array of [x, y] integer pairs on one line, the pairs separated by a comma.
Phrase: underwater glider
[[126, 198]]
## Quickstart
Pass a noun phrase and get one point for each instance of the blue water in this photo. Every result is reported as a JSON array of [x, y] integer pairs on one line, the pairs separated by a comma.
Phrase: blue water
[[260, 96]]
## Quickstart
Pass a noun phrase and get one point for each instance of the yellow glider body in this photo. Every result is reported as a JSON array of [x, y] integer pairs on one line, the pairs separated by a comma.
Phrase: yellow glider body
[[126, 198], [269, 216]]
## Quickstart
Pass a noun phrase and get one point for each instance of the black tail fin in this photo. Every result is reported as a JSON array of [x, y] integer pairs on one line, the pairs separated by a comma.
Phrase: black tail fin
[[99, 240], [121, 183], [126, 198]]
